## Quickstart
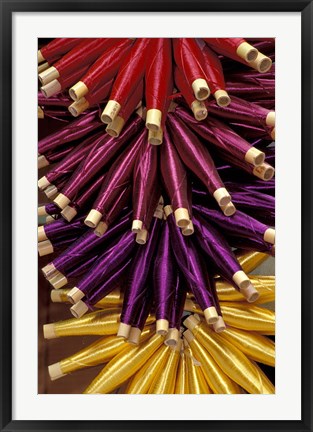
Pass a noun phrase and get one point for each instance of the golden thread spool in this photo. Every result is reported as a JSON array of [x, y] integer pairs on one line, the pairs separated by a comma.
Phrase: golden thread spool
[[123, 366], [113, 298], [249, 317], [249, 261], [253, 345], [100, 351], [142, 381], [196, 380], [164, 383], [269, 388], [218, 381], [230, 359], [181, 385], [99, 323], [264, 284]]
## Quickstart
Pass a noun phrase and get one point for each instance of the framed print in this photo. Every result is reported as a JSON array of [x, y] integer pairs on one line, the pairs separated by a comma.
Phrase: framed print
[[156, 208]]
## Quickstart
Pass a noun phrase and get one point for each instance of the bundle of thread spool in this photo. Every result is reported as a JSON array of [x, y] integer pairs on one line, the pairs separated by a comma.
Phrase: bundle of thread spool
[[159, 168]]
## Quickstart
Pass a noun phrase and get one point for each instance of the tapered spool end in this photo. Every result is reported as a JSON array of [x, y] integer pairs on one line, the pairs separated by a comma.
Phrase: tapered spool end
[[222, 196], [182, 217], [43, 67], [162, 326], [273, 134], [250, 293], [42, 211], [172, 337], [159, 213], [168, 210], [262, 63], [210, 315], [68, 213], [78, 107], [188, 230], [61, 201], [247, 52], [49, 270], [134, 336], [78, 91], [115, 128], [264, 171], [55, 371], [41, 114], [137, 226], [58, 281], [142, 236], [101, 228], [222, 98], [153, 119], [110, 111], [123, 330], [200, 89], [48, 331], [41, 234], [45, 248], [43, 183], [48, 75], [51, 191], [199, 110], [52, 88], [191, 322], [229, 209], [155, 137], [219, 326], [93, 218], [269, 236], [270, 119], [42, 162], [188, 336], [75, 295], [40, 57], [254, 156], [79, 309], [241, 280]]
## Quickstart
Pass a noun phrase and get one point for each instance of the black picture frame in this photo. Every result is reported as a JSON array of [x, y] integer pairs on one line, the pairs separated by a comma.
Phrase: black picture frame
[[10, 7]]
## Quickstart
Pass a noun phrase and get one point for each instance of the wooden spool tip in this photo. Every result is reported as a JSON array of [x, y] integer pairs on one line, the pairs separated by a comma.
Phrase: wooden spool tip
[[48, 75], [155, 137], [41, 234], [269, 236], [93, 218], [115, 127], [134, 336], [55, 371], [222, 196], [219, 326], [101, 228], [48, 331], [110, 111], [247, 52], [51, 191], [210, 315], [262, 63], [191, 322], [222, 98], [123, 330], [40, 57], [188, 230], [142, 236], [137, 226], [172, 337], [42, 161], [200, 89], [182, 217], [188, 336], [79, 309], [168, 210], [68, 213], [229, 209], [78, 107], [271, 119], [75, 295], [264, 171], [45, 248], [153, 119], [162, 326], [254, 156], [199, 110], [241, 280], [58, 280], [52, 88], [43, 183], [49, 270], [250, 293], [61, 201], [78, 91]]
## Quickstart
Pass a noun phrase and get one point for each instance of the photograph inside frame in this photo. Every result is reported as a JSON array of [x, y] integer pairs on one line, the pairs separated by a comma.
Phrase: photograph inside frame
[[156, 216]]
